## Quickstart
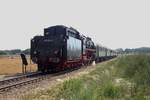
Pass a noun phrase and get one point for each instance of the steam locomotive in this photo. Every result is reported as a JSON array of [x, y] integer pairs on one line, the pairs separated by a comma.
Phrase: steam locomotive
[[64, 47]]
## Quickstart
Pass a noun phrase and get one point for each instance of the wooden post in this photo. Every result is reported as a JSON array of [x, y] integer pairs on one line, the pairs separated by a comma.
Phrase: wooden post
[[23, 68]]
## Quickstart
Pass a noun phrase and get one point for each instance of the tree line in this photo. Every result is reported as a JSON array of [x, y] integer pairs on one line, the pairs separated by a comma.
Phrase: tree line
[[134, 50], [127, 50], [14, 52]]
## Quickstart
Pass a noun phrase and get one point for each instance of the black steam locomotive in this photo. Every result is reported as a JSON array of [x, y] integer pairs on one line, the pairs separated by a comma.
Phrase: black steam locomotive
[[62, 47]]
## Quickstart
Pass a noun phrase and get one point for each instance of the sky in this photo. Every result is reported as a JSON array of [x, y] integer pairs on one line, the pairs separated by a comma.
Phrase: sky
[[111, 23]]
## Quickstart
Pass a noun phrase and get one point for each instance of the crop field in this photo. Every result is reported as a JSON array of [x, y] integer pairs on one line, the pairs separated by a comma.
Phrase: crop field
[[10, 65]]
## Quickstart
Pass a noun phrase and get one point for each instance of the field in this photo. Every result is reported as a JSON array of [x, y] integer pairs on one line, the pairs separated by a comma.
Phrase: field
[[10, 65]]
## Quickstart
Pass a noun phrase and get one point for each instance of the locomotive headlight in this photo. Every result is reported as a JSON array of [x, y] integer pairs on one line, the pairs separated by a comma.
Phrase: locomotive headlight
[[56, 52], [46, 33], [35, 52]]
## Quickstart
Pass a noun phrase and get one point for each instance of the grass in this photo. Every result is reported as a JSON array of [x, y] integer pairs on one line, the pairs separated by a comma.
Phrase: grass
[[96, 85], [126, 78], [136, 69], [13, 65]]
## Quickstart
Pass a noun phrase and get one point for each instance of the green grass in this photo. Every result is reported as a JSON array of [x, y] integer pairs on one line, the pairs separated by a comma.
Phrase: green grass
[[100, 84], [136, 69]]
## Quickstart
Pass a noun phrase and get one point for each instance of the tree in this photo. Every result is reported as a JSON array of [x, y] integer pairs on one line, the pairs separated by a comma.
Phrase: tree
[[119, 50], [26, 51], [2, 53]]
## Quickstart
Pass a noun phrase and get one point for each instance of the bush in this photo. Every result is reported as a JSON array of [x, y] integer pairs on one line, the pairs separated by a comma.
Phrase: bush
[[111, 91]]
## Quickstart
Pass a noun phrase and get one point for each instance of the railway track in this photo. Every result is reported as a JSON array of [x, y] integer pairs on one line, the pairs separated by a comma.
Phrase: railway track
[[17, 78], [8, 84]]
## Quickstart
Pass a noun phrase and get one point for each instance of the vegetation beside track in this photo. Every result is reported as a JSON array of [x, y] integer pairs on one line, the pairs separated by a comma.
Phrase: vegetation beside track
[[125, 78]]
